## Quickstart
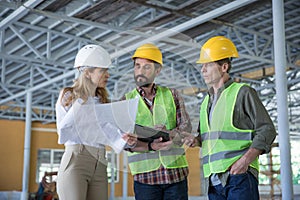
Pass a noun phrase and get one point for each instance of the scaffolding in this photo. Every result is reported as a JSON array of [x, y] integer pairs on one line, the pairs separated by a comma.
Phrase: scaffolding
[[274, 193]]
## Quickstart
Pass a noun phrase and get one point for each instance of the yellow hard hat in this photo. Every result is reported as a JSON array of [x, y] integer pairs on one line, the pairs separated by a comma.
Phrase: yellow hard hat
[[217, 48], [148, 51]]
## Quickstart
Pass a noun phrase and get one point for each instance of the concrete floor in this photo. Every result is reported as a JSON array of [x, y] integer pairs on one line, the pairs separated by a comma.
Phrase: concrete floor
[[15, 195]]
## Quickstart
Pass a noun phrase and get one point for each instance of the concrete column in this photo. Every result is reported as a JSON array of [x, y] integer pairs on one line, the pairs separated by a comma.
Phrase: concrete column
[[281, 95], [26, 162]]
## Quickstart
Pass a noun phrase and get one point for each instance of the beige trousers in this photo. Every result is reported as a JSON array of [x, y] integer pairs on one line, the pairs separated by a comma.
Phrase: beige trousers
[[82, 174]]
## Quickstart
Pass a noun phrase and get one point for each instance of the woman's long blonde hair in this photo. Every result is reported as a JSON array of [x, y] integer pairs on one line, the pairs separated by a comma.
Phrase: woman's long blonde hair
[[83, 88]]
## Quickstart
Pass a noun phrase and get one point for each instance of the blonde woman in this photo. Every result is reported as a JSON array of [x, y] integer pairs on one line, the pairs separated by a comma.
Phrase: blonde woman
[[82, 173]]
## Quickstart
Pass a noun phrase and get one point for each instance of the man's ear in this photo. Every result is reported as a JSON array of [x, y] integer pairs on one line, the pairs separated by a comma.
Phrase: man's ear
[[225, 67], [157, 70]]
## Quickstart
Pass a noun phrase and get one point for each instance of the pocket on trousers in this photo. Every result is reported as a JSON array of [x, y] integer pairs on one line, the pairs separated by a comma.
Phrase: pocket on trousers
[[65, 161], [239, 175]]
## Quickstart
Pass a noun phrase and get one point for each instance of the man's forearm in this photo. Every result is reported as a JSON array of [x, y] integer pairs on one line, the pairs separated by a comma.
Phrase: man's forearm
[[251, 155]]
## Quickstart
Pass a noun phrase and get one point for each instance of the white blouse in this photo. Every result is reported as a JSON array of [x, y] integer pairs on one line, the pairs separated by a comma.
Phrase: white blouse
[[69, 135]]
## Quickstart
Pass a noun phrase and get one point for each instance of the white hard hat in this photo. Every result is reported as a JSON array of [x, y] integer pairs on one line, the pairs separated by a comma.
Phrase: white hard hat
[[92, 56]]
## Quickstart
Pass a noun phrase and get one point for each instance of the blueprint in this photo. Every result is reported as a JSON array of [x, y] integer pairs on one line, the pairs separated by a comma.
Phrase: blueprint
[[94, 123]]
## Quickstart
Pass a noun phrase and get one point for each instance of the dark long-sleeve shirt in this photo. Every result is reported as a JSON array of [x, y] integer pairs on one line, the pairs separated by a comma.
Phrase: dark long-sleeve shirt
[[250, 113]]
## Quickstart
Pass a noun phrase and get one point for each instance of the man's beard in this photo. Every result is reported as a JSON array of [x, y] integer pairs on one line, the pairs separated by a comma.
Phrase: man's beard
[[146, 83]]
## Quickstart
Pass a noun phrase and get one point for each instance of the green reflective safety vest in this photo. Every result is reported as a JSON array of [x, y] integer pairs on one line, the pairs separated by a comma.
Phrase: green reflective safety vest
[[164, 112], [222, 142]]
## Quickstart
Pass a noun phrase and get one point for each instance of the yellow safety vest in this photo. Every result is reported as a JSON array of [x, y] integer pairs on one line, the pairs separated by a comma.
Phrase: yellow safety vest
[[164, 112], [222, 142]]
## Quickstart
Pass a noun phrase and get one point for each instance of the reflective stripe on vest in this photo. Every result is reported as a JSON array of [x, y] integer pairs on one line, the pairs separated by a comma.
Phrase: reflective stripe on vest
[[222, 143], [155, 154], [164, 112]]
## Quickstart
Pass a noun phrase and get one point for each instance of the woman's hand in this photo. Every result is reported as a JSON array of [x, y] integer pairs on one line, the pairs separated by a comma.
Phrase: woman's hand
[[130, 138]]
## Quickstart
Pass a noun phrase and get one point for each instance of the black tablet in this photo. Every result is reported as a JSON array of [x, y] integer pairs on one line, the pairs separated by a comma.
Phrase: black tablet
[[148, 134]]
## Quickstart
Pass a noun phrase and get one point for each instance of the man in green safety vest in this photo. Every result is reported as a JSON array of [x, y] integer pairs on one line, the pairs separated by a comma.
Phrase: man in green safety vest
[[234, 127], [160, 168]]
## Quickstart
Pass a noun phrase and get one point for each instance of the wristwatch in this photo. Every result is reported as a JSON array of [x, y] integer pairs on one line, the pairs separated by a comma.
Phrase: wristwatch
[[149, 146]]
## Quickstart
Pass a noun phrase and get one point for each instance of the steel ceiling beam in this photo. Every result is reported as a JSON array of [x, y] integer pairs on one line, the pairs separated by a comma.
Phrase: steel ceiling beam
[[189, 24], [19, 13], [182, 27]]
